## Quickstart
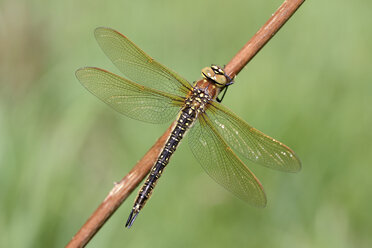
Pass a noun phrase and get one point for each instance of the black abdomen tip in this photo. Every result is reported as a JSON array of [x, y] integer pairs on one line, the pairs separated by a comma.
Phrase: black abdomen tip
[[132, 216]]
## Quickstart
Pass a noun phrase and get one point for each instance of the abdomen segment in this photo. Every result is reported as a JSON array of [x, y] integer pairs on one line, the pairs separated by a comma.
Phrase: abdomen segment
[[185, 120]]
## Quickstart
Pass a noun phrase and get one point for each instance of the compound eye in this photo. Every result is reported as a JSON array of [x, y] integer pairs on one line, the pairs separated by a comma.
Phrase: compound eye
[[207, 72], [220, 80], [217, 69]]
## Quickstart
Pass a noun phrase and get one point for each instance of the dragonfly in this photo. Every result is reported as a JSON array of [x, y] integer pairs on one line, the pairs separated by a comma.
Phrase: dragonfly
[[218, 138]]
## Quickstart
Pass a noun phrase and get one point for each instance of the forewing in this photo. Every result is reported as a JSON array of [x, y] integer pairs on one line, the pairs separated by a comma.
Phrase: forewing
[[137, 65], [131, 99], [251, 143], [220, 162]]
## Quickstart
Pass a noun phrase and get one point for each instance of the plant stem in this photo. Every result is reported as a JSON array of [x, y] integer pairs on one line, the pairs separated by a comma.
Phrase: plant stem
[[259, 40]]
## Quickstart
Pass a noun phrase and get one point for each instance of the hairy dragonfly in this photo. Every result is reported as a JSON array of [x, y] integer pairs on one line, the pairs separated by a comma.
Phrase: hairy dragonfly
[[153, 93]]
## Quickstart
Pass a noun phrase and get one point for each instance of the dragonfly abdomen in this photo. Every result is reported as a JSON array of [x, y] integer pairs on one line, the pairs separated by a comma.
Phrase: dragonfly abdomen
[[184, 122]]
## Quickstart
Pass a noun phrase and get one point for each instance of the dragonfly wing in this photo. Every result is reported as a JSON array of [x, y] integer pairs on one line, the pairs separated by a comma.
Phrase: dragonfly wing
[[137, 65], [221, 163], [131, 99], [251, 143]]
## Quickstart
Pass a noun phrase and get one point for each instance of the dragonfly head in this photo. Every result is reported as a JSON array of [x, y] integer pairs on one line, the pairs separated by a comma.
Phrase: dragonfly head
[[217, 75]]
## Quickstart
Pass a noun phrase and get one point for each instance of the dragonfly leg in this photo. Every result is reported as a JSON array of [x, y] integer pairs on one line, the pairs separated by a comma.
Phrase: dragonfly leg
[[223, 95]]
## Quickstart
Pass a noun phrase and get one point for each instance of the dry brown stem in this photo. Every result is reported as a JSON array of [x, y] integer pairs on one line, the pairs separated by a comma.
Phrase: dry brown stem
[[123, 188], [258, 41]]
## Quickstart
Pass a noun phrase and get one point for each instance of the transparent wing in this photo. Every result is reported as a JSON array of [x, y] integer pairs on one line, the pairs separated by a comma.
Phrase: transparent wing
[[137, 65], [251, 143], [131, 99], [221, 163]]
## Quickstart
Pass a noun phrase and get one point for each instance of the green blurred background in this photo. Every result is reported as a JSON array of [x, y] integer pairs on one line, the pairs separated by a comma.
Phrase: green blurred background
[[61, 148]]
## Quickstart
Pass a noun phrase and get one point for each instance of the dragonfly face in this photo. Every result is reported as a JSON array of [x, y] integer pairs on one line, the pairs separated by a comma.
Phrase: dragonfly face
[[207, 87], [215, 74], [155, 94]]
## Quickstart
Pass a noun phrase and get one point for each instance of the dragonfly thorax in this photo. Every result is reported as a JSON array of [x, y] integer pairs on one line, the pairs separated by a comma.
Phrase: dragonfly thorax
[[197, 100]]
